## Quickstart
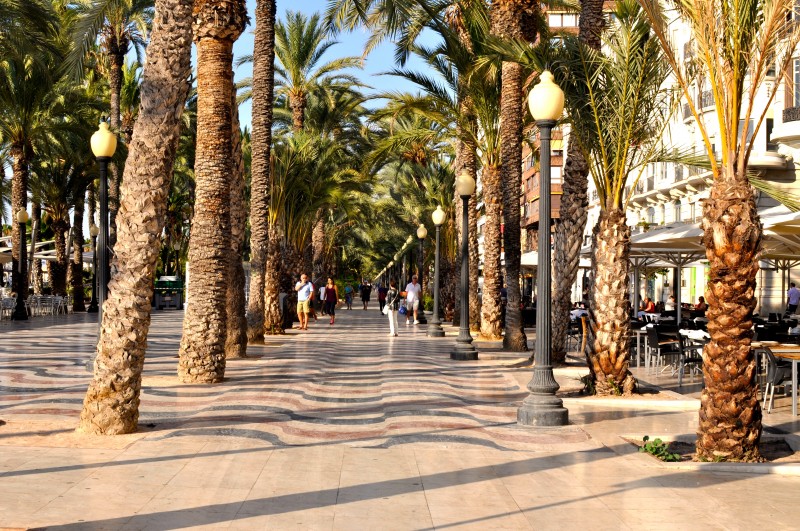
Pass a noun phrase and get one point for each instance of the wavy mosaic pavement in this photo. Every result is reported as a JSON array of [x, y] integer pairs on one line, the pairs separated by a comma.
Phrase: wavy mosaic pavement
[[347, 383]]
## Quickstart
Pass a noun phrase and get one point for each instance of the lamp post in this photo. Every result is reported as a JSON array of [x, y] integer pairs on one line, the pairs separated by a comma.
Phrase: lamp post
[[94, 230], [104, 143], [464, 350], [422, 232], [435, 324], [20, 312], [542, 407]]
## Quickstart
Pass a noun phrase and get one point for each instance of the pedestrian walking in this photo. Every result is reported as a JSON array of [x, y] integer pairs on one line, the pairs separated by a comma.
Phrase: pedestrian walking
[[412, 295], [792, 299], [331, 298], [366, 292], [393, 305], [348, 296], [382, 296], [305, 291], [322, 299]]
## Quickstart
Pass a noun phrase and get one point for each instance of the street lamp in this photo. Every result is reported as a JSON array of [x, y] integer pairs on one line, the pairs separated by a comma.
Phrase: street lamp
[[422, 232], [465, 350], [20, 313], [176, 246], [104, 143], [435, 324], [542, 407], [94, 230]]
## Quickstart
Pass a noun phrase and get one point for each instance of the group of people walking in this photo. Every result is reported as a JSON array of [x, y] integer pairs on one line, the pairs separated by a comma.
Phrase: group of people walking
[[390, 300]]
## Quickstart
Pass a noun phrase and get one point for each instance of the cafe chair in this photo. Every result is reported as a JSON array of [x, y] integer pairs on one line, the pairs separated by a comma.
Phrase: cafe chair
[[658, 348], [691, 357], [778, 371]]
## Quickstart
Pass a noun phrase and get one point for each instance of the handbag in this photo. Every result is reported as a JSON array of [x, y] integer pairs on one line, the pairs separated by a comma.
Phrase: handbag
[[402, 310], [385, 309]]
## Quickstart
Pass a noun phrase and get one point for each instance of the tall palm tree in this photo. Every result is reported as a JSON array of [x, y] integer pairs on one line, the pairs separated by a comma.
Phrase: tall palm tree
[[217, 25], [568, 233], [259, 304], [111, 405], [519, 19], [300, 44], [734, 44], [120, 26]]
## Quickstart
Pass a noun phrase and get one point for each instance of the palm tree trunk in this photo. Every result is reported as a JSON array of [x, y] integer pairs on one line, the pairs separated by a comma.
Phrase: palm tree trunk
[[58, 269], [111, 405], [77, 258], [511, 110], [298, 104], [273, 324], [115, 88], [36, 265], [610, 359], [568, 237], [490, 304], [19, 201], [730, 415], [202, 353], [261, 141], [236, 341], [567, 246], [318, 245]]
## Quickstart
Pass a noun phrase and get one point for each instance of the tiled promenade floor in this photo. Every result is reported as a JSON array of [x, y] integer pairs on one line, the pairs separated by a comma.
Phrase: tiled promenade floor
[[344, 428]]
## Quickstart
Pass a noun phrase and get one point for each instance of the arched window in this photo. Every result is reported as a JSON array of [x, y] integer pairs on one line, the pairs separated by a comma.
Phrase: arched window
[[651, 215], [677, 206]]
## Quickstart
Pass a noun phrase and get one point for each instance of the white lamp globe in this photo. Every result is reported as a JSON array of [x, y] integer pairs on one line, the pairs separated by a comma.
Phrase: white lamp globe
[[422, 232], [465, 184], [438, 216], [546, 99]]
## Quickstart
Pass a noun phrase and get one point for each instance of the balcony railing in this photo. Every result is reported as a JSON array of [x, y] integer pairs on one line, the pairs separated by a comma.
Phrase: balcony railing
[[791, 114]]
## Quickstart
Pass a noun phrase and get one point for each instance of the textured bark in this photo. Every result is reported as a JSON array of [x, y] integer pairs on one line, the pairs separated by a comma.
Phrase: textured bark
[[111, 405], [298, 103], [36, 265], [117, 59], [58, 269], [318, 246], [77, 258], [512, 19], [236, 341], [261, 141], [730, 414], [511, 177], [609, 361], [273, 324], [490, 304], [19, 201], [217, 24], [568, 237]]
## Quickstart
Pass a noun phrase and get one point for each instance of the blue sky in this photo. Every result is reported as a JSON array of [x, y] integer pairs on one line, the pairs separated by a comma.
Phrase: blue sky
[[350, 44]]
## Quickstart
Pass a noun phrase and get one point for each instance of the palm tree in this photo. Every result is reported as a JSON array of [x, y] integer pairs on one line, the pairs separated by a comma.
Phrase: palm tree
[[217, 25], [568, 233], [263, 82], [519, 19], [120, 25], [130, 97], [300, 44], [111, 405], [734, 44]]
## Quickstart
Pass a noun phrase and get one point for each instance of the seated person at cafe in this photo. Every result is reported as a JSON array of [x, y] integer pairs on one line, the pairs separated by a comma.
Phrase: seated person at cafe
[[669, 305], [648, 306], [701, 305]]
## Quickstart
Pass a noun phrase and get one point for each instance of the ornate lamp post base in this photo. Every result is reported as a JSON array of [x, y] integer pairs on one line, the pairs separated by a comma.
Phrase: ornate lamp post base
[[464, 350], [542, 407], [435, 329]]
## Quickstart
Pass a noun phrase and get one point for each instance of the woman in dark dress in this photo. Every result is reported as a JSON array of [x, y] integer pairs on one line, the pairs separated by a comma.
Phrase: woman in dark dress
[[331, 298]]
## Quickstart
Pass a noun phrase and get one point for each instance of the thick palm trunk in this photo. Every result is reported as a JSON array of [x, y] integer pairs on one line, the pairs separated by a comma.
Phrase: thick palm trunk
[[491, 326], [730, 415], [58, 269], [610, 359], [19, 201], [568, 237], [298, 104], [511, 172], [567, 246], [318, 245], [202, 354], [115, 88], [36, 265], [77, 258], [273, 324], [236, 341], [111, 405], [261, 141]]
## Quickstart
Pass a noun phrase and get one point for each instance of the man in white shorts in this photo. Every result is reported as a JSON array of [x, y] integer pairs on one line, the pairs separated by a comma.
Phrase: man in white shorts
[[413, 293]]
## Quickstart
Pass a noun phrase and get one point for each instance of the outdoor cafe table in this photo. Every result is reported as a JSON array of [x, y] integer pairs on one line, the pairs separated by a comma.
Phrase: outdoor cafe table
[[786, 352]]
